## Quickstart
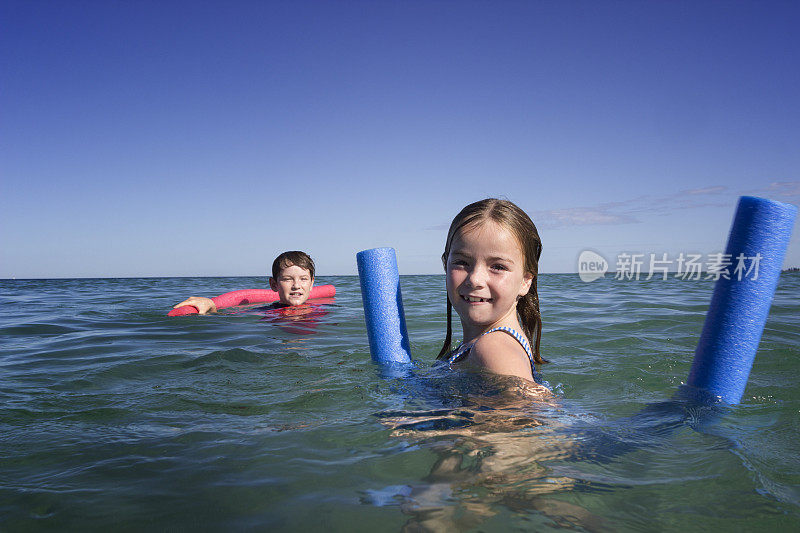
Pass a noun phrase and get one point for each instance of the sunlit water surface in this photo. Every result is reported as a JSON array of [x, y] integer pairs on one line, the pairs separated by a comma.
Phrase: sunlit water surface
[[116, 417]]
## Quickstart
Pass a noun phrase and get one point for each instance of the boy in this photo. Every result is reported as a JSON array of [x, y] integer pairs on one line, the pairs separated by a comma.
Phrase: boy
[[292, 278]]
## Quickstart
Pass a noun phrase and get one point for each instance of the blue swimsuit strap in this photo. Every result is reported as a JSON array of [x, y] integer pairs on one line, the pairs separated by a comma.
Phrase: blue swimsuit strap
[[464, 349]]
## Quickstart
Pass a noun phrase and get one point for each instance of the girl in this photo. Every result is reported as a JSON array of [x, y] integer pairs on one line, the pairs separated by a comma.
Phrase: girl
[[491, 259]]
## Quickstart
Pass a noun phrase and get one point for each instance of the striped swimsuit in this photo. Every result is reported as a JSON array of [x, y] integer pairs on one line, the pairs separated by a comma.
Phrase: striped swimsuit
[[463, 350]]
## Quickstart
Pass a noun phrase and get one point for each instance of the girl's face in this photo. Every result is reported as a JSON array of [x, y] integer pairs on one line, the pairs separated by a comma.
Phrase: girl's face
[[485, 277]]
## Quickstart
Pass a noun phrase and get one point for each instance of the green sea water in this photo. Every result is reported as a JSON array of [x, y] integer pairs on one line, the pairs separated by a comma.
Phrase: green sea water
[[114, 417]]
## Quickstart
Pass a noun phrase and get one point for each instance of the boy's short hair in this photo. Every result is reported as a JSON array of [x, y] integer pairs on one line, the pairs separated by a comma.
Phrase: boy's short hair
[[294, 257]]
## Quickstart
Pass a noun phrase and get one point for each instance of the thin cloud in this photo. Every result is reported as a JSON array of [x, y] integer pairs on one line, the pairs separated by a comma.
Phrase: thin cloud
[[632, 210], [705, 190], [582, 216], [788, 189], [701, 205], [626, 211], [438, 227]]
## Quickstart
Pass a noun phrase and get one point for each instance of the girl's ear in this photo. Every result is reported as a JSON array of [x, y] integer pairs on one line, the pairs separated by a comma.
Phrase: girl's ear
[[527, 279], [273, 284]]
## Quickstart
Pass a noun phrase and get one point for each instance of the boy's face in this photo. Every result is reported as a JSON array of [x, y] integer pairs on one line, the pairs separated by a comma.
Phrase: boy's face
[[293, 285]]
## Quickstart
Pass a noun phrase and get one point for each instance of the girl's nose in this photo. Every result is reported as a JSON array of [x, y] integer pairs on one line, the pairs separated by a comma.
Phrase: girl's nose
[[477, 277]]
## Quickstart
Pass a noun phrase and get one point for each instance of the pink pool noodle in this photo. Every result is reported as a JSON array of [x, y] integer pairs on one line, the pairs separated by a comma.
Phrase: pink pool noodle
[[251, 296]]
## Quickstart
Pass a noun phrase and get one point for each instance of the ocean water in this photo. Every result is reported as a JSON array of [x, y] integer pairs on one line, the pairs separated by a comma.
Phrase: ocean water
[[116, 417]]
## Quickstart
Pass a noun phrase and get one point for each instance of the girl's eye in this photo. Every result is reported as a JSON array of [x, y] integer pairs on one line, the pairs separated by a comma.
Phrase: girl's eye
[[499, 267], [458, 262]]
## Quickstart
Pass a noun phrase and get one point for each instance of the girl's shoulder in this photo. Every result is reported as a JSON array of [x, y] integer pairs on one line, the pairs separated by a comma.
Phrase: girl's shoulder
[[501, 353]]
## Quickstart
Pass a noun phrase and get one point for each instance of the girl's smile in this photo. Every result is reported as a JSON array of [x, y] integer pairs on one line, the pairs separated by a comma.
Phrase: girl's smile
[[475, 299], [485, 277]]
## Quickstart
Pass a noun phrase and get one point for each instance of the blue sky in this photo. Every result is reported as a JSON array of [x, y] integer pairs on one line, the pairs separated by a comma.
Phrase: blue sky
[[166, 138]]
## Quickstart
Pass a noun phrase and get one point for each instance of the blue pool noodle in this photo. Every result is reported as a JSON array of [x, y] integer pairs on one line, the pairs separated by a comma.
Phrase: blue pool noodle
[[383, 306], [739, 308]]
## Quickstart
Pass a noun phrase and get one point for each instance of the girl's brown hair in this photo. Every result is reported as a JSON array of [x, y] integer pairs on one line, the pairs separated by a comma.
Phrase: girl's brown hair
[[508, 215]]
